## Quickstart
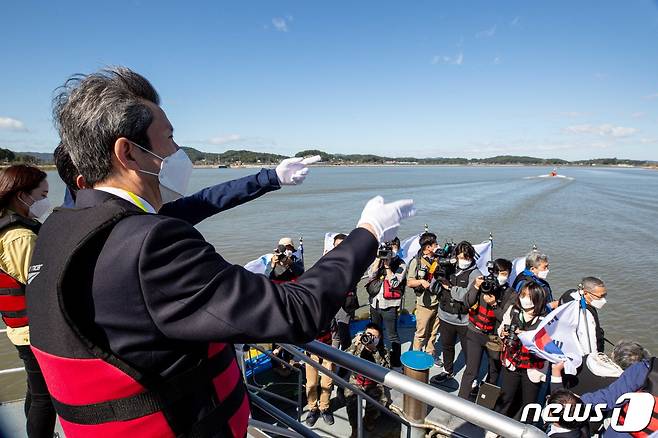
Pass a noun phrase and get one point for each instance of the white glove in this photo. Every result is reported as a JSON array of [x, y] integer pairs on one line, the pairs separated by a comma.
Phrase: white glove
[[292, 171], [385, 218]]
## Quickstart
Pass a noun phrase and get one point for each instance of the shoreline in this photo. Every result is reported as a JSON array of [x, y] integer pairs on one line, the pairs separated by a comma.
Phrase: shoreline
[[50, 167], [271, 166]]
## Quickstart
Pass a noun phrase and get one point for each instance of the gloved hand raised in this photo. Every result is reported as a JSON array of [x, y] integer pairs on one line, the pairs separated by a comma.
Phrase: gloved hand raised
[[292, 171], [383, 220]]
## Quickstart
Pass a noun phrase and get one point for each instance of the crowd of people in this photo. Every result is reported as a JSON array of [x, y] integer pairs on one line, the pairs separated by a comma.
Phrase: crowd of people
[[118, 301], [456, 302]]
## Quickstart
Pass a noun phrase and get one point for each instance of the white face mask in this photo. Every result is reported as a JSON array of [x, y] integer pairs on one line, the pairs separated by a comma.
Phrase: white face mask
[[175, 171], [527, 304], [38, 208], [542, 274], [463, 264], [598, 303], [502, 279]]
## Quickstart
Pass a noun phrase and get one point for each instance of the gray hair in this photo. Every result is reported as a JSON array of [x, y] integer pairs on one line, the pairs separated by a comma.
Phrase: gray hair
[[534, 259], [627, 353], [92, 111], [591, 283]]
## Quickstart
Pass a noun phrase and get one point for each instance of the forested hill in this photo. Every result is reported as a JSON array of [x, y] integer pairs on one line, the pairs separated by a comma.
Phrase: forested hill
[[240, 157]]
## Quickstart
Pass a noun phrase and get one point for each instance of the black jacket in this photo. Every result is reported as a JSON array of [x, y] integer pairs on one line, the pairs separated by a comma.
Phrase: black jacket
[[161, 292]]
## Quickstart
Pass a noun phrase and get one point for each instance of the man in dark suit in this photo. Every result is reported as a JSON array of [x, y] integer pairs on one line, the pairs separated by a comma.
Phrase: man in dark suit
[[129, 292]]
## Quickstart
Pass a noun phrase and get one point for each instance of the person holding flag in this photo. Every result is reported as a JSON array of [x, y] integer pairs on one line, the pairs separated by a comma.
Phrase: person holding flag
[[522, 369], [591, 294]]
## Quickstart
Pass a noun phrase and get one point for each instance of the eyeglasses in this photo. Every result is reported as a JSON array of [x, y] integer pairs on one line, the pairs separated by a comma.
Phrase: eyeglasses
[[605, 294]]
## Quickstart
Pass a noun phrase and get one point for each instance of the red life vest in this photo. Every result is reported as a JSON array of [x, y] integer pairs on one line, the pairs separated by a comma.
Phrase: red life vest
[[363, 381], [650, 386], [12, 293], [95, 392], [523, 358], [482, 317]]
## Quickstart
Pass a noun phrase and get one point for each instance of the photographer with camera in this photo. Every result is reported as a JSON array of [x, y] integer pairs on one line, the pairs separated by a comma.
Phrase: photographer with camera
[[386, 289], [420, 273], [284, 265], [453, 313], [521, 368], [369, 346], [487, 300]]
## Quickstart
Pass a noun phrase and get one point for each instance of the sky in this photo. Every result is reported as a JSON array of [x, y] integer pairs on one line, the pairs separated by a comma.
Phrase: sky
[[566, 79]]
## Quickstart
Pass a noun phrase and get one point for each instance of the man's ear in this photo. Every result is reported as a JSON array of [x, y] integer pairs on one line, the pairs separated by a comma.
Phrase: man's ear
[[124, 153], [81, 182]]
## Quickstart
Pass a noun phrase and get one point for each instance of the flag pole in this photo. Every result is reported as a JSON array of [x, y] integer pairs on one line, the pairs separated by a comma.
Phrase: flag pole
[[491, 239], [301, 246], [583, 307]]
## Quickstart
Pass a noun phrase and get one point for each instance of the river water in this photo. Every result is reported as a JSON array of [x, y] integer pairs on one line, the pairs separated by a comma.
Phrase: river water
[[601, 222]]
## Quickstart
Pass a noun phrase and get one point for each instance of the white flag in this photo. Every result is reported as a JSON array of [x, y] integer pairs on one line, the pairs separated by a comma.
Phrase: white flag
[[555, 338], [518, 266], [329, 242], [259, 265], [409, 248], [484, 250]]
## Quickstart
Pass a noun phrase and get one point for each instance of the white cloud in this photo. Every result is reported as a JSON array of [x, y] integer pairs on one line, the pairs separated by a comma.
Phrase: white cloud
[[606, 130], [515, 21], [224, 140], [638, 114], [488, 33], [451, 60], [9, 124], [280, 23], [649, 141], [497, 60], [651, 96]]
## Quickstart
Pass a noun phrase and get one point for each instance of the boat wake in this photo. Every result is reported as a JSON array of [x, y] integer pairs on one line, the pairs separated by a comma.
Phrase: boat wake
[[548, 175]]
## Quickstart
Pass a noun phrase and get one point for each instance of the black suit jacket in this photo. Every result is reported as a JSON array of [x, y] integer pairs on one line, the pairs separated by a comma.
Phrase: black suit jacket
[[161, 292]]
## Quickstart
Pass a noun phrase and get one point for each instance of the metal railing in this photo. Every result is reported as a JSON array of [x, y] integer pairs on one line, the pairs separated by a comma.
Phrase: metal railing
[[456, 406], [451, 404]]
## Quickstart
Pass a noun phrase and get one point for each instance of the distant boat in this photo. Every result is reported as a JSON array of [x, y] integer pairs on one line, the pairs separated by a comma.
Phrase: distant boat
[[222, 166], [552, 174]]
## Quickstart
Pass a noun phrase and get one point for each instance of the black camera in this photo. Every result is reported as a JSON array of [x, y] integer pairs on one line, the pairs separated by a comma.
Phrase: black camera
[[385, 251], [512, 343], [490, 284], [367, 338], [446, 260], [281, 252]]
